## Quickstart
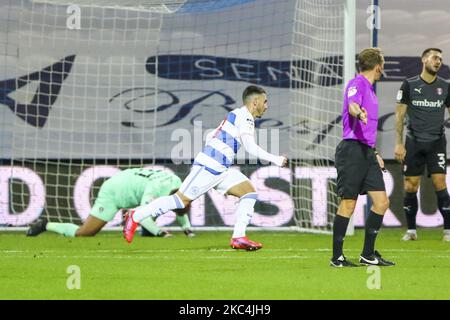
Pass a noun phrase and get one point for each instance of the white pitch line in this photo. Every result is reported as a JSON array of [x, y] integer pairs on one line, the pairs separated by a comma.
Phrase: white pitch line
[[258, 257], [214, 250], [252, 257], [14, 254]]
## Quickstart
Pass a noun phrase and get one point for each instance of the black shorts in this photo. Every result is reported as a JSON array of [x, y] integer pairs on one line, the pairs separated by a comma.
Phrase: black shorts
[[433, 154], [358, 170]]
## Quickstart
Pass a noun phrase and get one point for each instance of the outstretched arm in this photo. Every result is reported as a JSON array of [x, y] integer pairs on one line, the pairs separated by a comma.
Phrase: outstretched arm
[[356, 111], [248, 141]]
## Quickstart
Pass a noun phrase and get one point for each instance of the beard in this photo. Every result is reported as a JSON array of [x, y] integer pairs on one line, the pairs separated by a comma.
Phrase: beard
[[431, 71]]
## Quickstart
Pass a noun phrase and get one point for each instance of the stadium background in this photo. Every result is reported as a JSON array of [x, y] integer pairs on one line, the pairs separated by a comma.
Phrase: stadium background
[[197, 81]]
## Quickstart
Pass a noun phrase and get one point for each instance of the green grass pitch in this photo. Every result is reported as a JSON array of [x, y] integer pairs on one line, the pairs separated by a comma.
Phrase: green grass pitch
[[291, 266]]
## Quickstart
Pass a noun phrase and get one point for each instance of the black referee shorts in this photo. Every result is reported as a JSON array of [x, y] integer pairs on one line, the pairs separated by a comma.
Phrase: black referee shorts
[[432, 153], [358, 170]]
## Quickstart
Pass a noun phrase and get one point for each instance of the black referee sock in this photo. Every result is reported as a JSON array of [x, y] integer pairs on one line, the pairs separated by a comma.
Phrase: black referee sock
[[373, 225], [444, 207], [339, 229], [410, 206]]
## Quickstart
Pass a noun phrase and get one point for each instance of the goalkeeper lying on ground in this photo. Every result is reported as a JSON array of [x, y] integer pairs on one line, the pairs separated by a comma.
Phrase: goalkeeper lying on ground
[[126, 189]]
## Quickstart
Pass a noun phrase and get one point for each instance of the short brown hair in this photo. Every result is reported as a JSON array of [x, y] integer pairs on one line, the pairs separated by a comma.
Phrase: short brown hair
[[426, 51], [369, 58], [251, 90]]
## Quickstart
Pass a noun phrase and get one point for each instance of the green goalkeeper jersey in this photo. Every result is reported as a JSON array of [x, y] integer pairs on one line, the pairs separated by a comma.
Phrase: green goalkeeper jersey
[[131, 188]]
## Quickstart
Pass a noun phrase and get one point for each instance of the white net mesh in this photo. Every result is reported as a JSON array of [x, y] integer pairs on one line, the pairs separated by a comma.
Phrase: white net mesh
[[162, 6], [75, 75], [315, 109], [119, 84]]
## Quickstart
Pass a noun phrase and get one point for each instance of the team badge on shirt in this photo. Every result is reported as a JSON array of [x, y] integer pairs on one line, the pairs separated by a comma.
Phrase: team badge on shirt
[[250, 123], [351, 92], [439, 91]]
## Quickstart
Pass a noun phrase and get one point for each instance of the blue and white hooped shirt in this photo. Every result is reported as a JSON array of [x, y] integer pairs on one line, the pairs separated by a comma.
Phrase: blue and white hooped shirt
[[223, 143]]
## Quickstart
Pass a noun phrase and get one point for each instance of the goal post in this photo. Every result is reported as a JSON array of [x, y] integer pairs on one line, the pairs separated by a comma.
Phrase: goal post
[[349, 60]]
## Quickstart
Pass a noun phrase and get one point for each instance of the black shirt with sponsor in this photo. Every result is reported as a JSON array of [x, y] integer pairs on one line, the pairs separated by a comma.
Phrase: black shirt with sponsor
[[426, 107]]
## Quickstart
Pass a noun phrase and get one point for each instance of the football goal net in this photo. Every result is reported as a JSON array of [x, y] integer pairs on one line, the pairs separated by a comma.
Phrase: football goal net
[[91, 87]]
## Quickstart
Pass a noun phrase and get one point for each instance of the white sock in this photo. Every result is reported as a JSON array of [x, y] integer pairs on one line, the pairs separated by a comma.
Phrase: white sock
[[157, 207], [412, 231], [244, 213]]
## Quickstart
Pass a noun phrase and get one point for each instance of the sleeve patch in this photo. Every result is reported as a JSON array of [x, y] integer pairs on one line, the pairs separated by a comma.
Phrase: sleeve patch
[[399, 95], [351, 92]]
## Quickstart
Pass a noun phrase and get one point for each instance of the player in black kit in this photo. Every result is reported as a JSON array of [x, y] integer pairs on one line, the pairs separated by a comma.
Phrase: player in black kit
[[423, 99]]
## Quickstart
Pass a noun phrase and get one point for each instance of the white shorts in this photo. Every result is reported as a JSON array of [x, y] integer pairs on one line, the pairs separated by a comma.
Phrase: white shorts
[[200, 181]]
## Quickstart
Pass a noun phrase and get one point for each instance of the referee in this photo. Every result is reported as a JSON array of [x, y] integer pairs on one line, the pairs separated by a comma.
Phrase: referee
[[423, 99], [358, 164]]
